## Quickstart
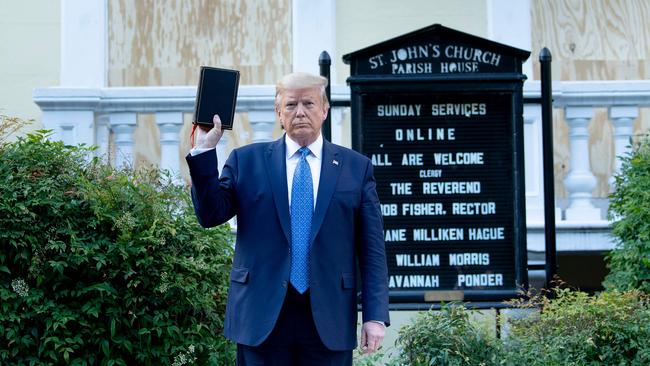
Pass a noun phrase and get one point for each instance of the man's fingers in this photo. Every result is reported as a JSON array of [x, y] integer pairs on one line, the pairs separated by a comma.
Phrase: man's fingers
[[217, 122], [372, 334], [208, 137], [372, 344]]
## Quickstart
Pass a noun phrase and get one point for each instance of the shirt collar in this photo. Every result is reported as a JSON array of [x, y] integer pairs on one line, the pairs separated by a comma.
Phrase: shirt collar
[[315, 147]]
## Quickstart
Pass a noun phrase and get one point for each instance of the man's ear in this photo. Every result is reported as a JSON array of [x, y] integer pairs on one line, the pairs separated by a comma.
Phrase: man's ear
[[325, 111], [277, 113]]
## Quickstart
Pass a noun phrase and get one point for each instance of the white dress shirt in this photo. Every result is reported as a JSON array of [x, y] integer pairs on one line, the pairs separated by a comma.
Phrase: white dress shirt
[[314, 160], [200, 150]]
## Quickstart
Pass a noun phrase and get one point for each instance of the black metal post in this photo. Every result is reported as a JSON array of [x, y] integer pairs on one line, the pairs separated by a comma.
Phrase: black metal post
[[547, 146], [325, 62]]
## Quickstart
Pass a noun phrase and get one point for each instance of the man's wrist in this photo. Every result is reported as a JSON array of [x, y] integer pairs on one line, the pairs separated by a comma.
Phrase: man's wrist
[[199, 150], [378, 322]]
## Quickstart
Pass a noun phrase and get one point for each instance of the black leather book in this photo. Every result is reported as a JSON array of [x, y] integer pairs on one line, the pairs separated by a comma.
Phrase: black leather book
[[216, 94]]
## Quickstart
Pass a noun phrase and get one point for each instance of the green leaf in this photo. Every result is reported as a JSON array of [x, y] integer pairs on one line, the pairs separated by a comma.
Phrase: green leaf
[[91, 308], [128, 345], [104, 345], [58, 266], [103, 288]]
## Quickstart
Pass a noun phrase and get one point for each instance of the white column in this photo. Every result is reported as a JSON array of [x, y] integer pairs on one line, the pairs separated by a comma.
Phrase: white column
[[534, 163], [339, 114], [313, 20], [222, 150], [580, 182], [123, 125], [262, 122], [102, 135], [622, 118], [84, 43], [70, 126], [336, 124], [509, 22], [169, 124]]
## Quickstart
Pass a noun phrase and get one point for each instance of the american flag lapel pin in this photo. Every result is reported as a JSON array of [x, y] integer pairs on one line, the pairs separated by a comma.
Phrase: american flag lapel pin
[[335, 162]]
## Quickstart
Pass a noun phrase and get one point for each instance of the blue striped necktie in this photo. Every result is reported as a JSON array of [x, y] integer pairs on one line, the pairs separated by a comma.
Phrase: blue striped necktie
[[302, 210]]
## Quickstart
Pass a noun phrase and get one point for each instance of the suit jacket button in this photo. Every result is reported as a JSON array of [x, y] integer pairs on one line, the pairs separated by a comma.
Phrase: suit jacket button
[[284, 283]]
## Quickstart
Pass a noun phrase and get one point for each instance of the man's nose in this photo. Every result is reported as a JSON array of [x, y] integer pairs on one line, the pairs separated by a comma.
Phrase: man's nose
[[300, 110]]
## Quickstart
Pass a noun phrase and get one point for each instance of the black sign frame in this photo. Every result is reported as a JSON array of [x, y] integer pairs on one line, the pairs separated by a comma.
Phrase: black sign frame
[[506, 81], [367, 88]]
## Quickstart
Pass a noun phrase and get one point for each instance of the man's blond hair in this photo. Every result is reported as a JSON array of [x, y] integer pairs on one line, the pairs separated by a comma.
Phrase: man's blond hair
[[300, 80]]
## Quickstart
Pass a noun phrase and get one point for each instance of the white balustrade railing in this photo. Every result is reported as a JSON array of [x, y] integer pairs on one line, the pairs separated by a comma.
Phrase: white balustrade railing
[[89, 115], [579, 100], [622, 117], [580, 182], [78, 115]]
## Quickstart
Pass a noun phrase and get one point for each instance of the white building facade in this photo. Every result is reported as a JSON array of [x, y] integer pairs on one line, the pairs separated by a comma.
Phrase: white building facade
[[127, 72]]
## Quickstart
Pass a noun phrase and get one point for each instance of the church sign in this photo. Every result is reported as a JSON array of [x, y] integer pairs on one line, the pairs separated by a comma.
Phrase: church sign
[[439, 113]]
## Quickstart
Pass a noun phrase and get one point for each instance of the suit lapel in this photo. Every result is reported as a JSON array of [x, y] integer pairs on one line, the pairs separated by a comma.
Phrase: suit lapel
[[329, 175], [276, 167]]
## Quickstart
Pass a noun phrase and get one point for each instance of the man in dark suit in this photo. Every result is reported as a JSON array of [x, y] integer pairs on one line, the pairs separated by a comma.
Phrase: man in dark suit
[[307, 215]]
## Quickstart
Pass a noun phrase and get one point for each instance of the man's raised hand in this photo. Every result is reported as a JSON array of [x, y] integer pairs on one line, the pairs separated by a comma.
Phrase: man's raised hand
[[208, 138]]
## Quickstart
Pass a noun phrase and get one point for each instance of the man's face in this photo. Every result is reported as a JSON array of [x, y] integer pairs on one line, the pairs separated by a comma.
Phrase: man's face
[[302, 113]]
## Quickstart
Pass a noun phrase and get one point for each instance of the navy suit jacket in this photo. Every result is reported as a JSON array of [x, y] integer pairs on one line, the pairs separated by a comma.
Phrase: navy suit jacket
[[347, 230]]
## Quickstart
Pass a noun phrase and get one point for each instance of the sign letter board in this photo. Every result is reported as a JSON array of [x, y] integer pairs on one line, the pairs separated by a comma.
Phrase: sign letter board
[[439, 113]]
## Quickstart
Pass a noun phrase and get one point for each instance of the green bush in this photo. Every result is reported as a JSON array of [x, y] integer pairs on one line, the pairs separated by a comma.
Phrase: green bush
[[447, 337], [572, 329], [104, 267], [611, 328], [629, 209]]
